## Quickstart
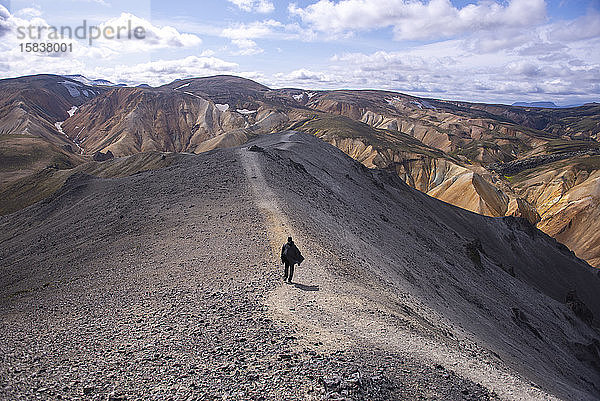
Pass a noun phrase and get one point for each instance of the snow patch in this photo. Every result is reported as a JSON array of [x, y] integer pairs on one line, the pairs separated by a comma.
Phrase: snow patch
[[71, 87], [80, 78], [58, 126], [78, 141], [183, 86], [395, 99], [298, 97], [222, 107], [192, 94], [246, 111], [89, 82], [311, 94], [72, 111], [423, 104]]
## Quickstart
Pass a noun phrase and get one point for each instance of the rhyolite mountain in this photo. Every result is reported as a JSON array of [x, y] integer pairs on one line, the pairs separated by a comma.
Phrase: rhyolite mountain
[[30, 108], [537, 163]]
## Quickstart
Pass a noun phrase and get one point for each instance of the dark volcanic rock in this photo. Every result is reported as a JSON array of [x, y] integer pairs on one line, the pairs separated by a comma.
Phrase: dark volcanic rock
[[474, 251], [515, 167], [101, 157], [588, 353], [579, 308]]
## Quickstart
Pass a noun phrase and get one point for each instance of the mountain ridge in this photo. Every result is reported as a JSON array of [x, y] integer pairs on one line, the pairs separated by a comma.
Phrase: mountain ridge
[[455, 151], [420, 297]]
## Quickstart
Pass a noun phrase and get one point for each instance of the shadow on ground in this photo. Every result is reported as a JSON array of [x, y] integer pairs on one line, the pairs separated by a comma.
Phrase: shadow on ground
[[305, 287]]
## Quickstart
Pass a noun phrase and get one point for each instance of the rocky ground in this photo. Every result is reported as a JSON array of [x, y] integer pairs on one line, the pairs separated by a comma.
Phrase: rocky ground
[[165, 286], [399, 271]]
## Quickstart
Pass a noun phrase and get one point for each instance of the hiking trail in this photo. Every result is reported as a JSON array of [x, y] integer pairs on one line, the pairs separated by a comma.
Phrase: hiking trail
[[338, 312]]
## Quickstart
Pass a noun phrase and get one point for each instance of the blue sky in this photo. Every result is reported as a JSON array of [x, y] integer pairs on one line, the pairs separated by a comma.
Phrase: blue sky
[[491, 51]]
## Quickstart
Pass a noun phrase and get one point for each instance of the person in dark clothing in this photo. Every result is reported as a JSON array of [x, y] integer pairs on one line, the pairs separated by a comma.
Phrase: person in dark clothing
[[290, 255]]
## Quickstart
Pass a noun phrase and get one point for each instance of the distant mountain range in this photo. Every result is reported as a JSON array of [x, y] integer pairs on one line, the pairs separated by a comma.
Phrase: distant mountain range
[[104, 82], [548, 105], [542, 164]]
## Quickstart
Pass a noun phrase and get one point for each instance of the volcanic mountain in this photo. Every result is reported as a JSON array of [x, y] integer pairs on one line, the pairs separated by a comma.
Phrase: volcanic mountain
[[30, 140], [167, 284], [496, 160]]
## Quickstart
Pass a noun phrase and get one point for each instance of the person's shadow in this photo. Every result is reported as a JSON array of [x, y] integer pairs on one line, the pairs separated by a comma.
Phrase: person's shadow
[[305, 287]]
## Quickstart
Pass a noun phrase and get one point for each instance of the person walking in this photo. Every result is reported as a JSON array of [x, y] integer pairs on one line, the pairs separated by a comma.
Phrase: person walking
[[290, 255]]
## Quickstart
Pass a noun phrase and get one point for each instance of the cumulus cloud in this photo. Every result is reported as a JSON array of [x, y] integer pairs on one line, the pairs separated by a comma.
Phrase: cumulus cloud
[[83, 57], [524, 67], [259, 6], [162, 71], [243, 35], [307, 75], [418, 19], [6, 25], [246, 47], [449, 70], [14, 59], [155, 37], [254, 30], [28, 12], [584, 27], [119, 41]]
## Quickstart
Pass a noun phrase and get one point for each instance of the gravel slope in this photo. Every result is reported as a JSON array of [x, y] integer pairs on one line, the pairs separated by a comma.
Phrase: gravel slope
[[166, 285], [404, 272]]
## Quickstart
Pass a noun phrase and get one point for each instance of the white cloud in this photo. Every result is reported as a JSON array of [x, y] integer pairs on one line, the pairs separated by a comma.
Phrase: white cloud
[[304, 78], [83, 59], [28, 12], [418, 19], [155, 37], [247, 47], [524, 67], [15, 61], [119, 39], [163, 71], [254, 30], [259, 6], [243, 35], [585, 27], [454, 69]]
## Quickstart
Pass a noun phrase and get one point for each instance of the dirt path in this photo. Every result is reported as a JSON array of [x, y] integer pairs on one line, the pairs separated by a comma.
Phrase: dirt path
[[299, 304], [340, 314]]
